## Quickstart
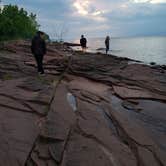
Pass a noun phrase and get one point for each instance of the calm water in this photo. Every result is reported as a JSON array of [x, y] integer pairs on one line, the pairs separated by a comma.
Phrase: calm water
[[146, 49]]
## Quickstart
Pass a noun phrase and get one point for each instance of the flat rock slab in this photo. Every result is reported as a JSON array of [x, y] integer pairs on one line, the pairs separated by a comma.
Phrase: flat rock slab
[[89, 109], [18, 133], [130, 92], [22, 106], [131, 131]]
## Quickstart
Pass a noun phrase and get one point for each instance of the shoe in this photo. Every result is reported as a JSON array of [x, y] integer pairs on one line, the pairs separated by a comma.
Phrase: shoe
[[41, 74]]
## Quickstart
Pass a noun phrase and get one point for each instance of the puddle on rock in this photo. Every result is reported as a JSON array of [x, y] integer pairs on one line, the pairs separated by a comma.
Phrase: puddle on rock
[[152, 116], [116, 103], [72, 101]]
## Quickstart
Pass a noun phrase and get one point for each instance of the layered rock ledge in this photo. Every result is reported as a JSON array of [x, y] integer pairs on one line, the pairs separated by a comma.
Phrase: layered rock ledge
[[89, 109]]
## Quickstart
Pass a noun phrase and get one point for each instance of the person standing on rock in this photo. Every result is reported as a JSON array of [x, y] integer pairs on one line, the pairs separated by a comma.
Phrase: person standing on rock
[[38, 48], [107, 44], [83, 43]]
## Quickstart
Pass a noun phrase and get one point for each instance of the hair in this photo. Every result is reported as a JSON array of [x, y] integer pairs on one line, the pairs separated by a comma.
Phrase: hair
[[40, 33], [82, 35]]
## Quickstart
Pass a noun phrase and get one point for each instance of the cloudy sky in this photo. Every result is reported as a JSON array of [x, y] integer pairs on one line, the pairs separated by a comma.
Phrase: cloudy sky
[[97, 18]]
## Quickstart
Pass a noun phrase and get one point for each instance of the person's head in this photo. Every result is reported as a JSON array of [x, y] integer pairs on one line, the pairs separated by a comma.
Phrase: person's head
[[82, 36], [41, 34]]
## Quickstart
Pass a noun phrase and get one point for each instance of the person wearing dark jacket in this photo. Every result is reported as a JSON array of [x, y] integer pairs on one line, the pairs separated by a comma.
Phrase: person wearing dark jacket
[[83, 42], [38, 48], [107, 43]]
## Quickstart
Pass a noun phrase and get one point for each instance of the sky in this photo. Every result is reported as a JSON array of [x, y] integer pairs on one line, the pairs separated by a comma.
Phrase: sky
[[97, 18]]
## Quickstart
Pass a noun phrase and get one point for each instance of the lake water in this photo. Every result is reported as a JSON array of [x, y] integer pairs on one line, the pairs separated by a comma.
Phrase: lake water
[[146, 49]]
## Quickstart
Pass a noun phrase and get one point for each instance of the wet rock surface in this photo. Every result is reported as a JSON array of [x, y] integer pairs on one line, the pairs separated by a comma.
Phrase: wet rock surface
[[89, 109]]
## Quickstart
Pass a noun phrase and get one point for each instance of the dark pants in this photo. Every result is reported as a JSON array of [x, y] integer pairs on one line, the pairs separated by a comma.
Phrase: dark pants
[[107, 49], [39, 61]]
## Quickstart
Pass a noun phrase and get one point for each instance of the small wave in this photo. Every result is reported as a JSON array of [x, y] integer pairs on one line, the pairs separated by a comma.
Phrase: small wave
[[116, 50]]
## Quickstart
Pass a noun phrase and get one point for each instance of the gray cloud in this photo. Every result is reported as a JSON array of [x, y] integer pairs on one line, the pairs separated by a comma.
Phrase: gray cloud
[[99, 18]]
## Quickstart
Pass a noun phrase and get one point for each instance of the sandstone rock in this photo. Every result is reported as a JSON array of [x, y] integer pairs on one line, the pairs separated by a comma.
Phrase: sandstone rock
[[89, 109]]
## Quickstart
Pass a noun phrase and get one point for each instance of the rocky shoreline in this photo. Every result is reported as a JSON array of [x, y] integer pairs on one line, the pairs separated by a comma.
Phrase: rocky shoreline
[[89, 109]]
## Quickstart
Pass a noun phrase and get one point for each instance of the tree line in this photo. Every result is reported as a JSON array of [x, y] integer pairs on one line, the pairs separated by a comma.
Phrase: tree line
[[16, 23]]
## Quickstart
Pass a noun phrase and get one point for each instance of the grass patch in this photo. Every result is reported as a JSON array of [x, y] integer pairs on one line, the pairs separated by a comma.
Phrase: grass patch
[[43, 80], [7, 77]]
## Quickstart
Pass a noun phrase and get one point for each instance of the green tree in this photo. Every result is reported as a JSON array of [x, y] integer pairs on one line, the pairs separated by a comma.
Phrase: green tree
[[15, 23]]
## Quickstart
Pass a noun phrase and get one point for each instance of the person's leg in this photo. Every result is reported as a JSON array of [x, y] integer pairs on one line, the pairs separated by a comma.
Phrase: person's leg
[[41, 70], [37, 62], [42, 63], [85, 48], [107, 49], [82, 49]]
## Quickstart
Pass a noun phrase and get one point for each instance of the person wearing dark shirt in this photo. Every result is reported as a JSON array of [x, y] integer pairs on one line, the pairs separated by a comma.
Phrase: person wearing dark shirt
[[38, 48], [107, 43], [83, 43]]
